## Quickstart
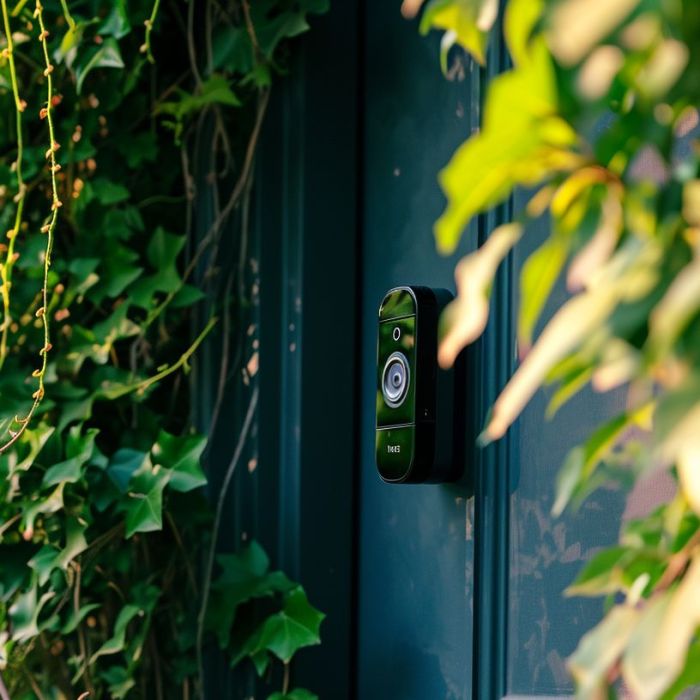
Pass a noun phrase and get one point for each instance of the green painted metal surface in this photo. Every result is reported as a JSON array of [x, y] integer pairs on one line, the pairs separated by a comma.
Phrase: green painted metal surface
[[427, 587]]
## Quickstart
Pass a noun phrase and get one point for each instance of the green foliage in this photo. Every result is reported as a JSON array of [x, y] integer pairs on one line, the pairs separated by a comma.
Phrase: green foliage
[[598, 118], [291, 623], [103, 516]]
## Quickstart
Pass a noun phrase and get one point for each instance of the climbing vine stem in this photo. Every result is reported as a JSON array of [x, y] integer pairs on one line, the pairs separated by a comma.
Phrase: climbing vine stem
[[67, 15], [47, 229], [9, 248], [146, 48]]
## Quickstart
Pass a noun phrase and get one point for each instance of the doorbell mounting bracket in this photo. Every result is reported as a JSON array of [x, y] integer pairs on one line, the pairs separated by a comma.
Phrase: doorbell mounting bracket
[[419, 431]]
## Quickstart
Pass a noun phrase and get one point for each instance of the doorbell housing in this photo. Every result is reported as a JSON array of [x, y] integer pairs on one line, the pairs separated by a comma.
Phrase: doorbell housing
[[418, 437]]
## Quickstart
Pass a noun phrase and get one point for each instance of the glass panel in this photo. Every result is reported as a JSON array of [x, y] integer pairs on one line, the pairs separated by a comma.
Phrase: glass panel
[[546, 553]]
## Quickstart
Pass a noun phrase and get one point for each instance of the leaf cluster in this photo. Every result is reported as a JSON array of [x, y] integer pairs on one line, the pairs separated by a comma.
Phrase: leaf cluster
[[598, 120], [103, 515]]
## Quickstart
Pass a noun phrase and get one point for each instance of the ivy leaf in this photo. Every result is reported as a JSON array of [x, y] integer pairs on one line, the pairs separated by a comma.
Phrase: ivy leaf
[[617, 569], [30, 445], [107, 55], [118, 272], [164, 248], [123, 464], [244, 576], [593, 20], [51, 504], [215, 90], [232, 50], [68, 48], [117, 641], [689, 677], [107, 192], [180, 457], [43, 563], [79, 449], [76, 617], [468, 21], [24, 613], [49, 557], [120, 681], [187, 295], [75, 543], [465, 318], [144, 510], [296, 694], [295, 627], [116, 23]]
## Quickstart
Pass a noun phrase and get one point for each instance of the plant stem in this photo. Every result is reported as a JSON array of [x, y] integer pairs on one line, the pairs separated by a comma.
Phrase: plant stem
[[285, 679], [67, 15], [146, 383], [223, 490], [47, 228], [6, 268], [149, 28]]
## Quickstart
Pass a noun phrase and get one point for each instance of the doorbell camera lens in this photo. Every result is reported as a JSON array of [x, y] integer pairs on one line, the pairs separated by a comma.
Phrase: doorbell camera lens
[[419, 435], [395, 380]]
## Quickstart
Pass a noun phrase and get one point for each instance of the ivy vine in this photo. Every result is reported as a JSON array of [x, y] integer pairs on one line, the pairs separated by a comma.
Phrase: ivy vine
[[112, 583]]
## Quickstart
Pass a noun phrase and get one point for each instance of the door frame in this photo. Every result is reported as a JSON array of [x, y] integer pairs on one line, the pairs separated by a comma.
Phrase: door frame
[[308, 213]]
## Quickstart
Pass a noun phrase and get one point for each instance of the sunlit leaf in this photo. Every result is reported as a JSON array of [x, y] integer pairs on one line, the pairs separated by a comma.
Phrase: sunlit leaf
[[565, 331], [465, 318], [676, 309], [576, 26], [469, 21], [657, 651], [106, 55], [521, 143], [600, 648], [537, 278], [520, 19], [599, 249], [582, 460]]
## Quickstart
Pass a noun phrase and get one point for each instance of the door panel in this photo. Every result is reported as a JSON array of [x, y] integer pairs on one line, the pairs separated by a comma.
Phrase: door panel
[[415, 551], [546, 553]]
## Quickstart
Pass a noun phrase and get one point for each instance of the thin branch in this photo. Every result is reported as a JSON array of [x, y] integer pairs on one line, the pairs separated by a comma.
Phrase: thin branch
[[10, 259], [82, 642], [48, 228], [191, 50], [67, 15], [146, 47], [141, 386], [233, 200], [223, 491]]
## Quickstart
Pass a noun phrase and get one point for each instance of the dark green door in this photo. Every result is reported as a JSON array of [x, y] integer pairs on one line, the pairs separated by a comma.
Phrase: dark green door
[[432, 592], [459, 595], [416, 547]]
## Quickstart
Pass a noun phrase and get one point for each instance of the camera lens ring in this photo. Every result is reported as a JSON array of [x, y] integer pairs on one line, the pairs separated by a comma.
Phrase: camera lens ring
[[396, 378]]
